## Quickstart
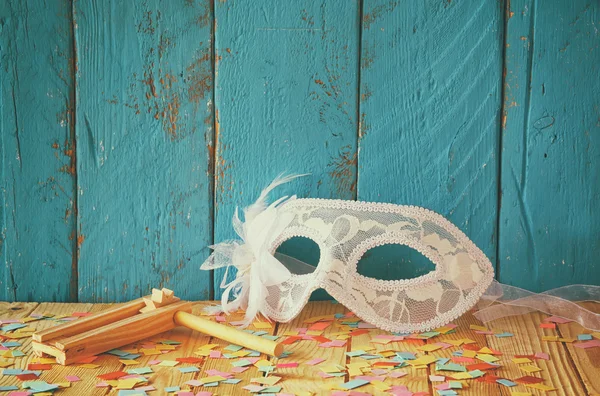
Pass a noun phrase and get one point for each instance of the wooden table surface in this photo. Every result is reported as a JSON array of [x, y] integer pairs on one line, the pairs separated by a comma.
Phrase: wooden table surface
[[573, 371]]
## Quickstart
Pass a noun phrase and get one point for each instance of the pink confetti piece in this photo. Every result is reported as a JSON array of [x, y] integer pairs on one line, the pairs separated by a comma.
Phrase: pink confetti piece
[[444, 345], [194, 383], [437, 378], [324, 375], [72, 378], [287, 365], [147, 388], [253, 388], [204, 394], [379, 371], [101, 385], [370, 378], [444, 386], [184, 393], [487, 332], [587, 344], [542, 355], [397, 374], [220, 373], [357, 393], [239, 369], [215, 354], [315, 361], [154, 362], [19, 393]]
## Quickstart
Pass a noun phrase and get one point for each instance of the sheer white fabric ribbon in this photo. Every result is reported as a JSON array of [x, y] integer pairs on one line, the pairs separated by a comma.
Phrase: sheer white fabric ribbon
[[256, 267], [502, 300]]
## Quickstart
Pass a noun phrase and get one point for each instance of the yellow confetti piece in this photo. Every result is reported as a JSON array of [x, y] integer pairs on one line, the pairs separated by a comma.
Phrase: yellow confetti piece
[[241, 353], [262, 325], [468, 341], [478, 328], [521, 394], [162, 347], [354, 371], [382, 386], [4, 363], [422, 361], [521, 360], [443, 330], [469, 354], [128, 383], [208, 347], [148, 352], [129, 362], [454, 342], [89, 366], [530, 369], [63, 384], [462, 375], [429, 347], [387, 353], [382, 341], [212, 378], [272, 380], [365, 348], [487, 358], [262, 363], [290, 333], [486, 350]]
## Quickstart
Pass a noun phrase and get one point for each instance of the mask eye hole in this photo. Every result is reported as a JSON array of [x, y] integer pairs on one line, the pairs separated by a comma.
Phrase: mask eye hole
[[299, 254], [394, 262]]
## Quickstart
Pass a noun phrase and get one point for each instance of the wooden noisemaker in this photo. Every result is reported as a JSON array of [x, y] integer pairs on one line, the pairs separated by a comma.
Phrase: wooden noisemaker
[[134, 321]]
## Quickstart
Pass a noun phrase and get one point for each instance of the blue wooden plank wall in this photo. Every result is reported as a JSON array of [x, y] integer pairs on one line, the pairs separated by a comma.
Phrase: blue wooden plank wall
[[131, 130]]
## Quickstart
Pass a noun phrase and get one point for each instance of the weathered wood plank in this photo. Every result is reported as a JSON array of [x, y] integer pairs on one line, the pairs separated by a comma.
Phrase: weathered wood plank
[[144, 127], [286, 101], [586, 361], [429, 112], [558, 372], [306, 378], [37, 173], [550, 146]]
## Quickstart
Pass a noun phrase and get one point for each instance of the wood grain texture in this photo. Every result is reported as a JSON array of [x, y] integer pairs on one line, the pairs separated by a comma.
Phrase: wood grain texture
[[549, 218], [286, 101], [586, 361], [144, 130], [37, 149], [429, 112]]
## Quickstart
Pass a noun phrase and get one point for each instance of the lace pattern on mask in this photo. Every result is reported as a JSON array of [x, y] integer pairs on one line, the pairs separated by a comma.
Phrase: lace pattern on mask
[[345, 230]]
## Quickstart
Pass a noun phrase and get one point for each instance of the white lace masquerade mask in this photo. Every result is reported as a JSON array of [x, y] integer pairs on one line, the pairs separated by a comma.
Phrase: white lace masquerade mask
[[279, 286]]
